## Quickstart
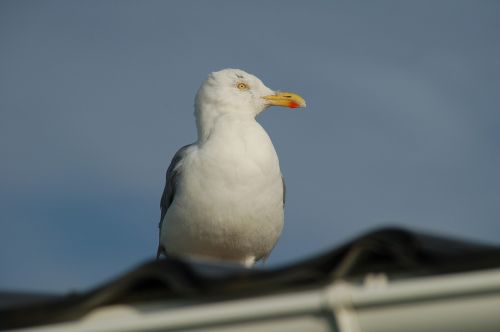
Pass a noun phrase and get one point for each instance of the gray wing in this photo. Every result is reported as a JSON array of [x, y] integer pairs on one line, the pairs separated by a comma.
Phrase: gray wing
[[167, 197]]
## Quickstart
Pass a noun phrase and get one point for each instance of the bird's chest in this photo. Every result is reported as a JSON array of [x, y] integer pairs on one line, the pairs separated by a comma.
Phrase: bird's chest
[[238, 163], [240, 153]]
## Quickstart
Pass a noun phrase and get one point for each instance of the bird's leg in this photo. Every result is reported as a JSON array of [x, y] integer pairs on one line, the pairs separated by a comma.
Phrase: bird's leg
[[249, 262]]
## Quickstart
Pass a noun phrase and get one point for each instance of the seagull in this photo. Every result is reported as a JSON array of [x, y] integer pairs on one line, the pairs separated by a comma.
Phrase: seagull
[[224, 195]]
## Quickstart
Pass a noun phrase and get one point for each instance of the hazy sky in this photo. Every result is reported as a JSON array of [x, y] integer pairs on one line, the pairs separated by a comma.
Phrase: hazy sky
[[402, 125]]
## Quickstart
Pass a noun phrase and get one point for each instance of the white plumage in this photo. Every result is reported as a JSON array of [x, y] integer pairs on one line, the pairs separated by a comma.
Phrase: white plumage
[[224, 194]]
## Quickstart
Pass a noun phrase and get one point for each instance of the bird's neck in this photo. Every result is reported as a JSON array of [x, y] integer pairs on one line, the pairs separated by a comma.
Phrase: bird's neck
[[207, 117]]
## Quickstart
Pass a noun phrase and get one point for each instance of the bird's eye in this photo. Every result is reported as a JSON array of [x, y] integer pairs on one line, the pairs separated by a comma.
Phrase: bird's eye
[[242, 86]]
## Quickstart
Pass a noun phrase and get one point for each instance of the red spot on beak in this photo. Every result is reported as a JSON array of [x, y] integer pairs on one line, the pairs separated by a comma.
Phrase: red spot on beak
[[293, 104]]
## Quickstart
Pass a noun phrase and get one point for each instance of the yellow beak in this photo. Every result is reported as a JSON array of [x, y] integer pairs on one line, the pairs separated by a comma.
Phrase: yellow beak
[[287, 99]]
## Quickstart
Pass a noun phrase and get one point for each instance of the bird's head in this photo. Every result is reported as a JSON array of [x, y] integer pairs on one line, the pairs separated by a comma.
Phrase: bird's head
[[234, 90]]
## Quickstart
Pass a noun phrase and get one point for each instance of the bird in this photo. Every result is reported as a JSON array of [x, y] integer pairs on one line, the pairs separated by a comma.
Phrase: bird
[[224, 194]]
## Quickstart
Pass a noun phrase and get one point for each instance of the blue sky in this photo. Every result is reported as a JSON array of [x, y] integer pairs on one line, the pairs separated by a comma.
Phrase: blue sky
[[402, 125]]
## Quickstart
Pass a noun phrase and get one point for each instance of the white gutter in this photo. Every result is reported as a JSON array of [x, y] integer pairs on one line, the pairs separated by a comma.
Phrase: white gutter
[[166, 316], [472, 297], [356, 308]]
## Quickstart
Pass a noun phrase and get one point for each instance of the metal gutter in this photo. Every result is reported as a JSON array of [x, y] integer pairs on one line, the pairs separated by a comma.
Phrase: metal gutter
[[375, 305]]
